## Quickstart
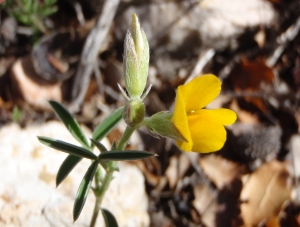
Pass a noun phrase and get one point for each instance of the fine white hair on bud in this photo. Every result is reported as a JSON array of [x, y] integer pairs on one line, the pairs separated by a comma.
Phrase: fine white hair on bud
[[135, 59]]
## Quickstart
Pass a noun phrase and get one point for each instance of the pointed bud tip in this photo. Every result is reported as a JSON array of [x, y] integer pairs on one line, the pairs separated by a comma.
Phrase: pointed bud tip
[[135, 20]]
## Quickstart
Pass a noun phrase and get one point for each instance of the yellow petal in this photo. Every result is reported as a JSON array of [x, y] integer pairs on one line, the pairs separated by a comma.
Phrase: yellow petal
[[181, 122], [200, 91], [207, 135], [220, 116]]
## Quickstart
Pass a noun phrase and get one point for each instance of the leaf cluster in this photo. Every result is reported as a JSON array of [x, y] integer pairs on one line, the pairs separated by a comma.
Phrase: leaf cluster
[[107, 158], [31, 12]]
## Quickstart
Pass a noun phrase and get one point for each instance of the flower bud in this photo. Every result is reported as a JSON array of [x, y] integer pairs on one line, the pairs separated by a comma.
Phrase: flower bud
[[134, 112], [136, 59]]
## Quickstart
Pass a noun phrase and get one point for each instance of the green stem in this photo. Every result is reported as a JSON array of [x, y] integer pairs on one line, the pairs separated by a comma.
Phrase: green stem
[[128, 132], [102, 188], [100, 195]]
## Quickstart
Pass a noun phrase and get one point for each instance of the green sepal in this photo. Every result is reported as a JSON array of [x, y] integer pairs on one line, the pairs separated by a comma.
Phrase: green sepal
[[109, 218], [161, 124], [107, 124], [134, 112], [66, 167], [70, 122], [67, 147], [124, 155], [83, 190]]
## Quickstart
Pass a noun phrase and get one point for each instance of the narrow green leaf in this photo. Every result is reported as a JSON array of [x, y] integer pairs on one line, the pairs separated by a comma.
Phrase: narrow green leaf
[[109, 218], [108, 124], [124, 155], [83, 190], [67, 147], [66, 167], [70, 122], [99, 145], [35, 6], [48, 11]]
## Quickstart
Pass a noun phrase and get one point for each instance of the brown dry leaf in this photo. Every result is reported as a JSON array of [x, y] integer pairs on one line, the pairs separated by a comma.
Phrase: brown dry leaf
[[176, 169], [150, 177], [248, 76], [287, 216], [205, 203], [264, 193], [272, 222], [116, 133], [5, 105], [219, 170]]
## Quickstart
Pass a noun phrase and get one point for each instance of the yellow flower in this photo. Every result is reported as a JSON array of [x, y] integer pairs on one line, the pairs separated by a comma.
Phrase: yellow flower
[[203, 129]]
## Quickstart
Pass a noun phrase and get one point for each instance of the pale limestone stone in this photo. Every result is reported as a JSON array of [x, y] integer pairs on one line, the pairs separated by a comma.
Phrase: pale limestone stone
[[28, 196]]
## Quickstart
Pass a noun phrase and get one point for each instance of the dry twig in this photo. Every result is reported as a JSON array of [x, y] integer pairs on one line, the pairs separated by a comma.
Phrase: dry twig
[[90, 52]]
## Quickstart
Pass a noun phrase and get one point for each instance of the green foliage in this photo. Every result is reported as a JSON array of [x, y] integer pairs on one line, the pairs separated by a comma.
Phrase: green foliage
[[124, 155], [99, 145], [108, 124], [67, 147], [70, 123], [16, 114], [31, 12], [107, 158], [109, 218], [66, 167], [83, 190]]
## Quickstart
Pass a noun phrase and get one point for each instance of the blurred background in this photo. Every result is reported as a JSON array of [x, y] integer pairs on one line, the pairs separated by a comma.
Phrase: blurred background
[[71, 51]]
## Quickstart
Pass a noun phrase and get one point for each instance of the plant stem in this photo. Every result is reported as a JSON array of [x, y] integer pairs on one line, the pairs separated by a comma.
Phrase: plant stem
[[102, 188], [128, 132], [99, 197]]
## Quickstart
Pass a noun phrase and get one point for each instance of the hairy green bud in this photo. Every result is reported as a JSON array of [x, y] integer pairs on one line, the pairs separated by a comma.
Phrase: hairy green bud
[[136, 59]]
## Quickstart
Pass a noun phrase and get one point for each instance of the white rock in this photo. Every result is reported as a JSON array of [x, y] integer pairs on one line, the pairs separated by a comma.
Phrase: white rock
[[28, 196]]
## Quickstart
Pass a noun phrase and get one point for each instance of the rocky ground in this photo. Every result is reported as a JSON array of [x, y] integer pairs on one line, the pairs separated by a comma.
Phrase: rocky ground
[[252, 46]]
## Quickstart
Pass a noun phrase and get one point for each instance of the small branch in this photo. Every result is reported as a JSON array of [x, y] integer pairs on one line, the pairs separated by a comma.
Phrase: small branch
[[286, 37], [79, 12], [90, 52], [202, 61]]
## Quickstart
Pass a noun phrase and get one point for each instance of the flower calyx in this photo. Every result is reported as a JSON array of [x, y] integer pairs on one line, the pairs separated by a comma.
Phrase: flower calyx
[[134, 112], [160, 124]]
